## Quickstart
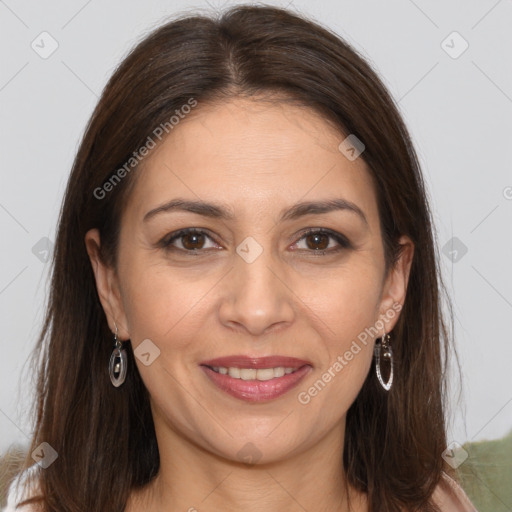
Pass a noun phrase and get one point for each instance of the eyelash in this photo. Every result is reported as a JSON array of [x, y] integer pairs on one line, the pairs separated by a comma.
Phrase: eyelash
[[343, 242]]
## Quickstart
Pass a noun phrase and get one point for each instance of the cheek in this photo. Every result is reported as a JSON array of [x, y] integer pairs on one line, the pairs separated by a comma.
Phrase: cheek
[[348, 316], [159, 301], [350, 313], [349, 305]]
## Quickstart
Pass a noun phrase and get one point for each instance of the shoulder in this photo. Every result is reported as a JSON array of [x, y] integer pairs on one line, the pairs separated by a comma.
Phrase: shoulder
[[450, 497], [24, 486]]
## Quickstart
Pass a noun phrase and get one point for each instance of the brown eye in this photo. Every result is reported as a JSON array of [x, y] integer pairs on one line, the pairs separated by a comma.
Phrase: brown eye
[[317, 241], [190, 240], [193, 241]]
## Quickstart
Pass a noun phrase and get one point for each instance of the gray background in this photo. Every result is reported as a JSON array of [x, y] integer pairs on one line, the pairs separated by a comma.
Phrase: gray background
[[459, 111]]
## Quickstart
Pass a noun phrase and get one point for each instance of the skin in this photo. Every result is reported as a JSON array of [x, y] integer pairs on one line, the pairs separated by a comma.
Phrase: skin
[[257, 158]]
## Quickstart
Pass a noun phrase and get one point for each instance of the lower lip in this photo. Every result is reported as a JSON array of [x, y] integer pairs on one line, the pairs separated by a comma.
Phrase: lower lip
[[257, 390]]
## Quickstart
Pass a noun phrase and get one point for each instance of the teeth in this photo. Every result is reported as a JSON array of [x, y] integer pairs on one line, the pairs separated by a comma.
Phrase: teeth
[[253, 373], [234, 372]]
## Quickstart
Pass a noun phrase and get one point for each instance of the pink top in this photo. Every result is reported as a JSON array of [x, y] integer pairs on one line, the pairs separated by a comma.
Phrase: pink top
[[448, 495], [451, 497]]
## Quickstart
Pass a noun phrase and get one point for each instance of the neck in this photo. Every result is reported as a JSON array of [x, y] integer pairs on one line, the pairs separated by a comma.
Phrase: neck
[[192, 478]]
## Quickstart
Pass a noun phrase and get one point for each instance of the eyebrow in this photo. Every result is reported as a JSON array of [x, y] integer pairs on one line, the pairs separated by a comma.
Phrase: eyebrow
[[218, 211]]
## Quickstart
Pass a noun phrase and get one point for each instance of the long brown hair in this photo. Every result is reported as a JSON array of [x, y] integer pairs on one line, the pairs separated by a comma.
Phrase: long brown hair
[[104, 436]]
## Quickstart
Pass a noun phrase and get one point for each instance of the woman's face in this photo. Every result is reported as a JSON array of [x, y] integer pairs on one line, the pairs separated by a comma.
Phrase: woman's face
[[253, 283]]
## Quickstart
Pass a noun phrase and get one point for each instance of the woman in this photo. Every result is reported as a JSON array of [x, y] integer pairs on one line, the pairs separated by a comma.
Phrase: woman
[[245, 304]]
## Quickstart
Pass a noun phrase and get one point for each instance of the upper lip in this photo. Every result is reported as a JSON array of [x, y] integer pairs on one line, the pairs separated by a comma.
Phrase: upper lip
[[242, 361]]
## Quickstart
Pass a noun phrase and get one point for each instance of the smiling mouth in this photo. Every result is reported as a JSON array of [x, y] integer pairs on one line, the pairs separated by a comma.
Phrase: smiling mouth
[[260, 374], [256, 384]]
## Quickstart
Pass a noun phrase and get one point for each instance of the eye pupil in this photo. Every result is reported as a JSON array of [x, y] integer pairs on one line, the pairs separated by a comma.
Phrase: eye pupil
[[195, 237], [318, 237]]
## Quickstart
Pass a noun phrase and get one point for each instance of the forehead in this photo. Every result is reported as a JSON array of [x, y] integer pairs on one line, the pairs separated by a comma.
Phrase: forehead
[[252, 154]]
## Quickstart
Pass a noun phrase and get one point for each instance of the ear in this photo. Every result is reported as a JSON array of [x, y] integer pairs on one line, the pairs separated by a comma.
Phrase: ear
[[108, 286], [395, 285]]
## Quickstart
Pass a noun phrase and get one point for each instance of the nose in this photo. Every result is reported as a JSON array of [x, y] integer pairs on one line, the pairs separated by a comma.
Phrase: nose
[[257, 299]]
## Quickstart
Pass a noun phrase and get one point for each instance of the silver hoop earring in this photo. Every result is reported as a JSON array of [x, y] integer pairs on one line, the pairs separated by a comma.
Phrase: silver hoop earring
[[118, 363], [383, 349]]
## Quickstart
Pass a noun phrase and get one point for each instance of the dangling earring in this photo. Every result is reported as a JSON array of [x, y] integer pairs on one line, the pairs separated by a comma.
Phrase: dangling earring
[[387, 353], [118, 362]]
